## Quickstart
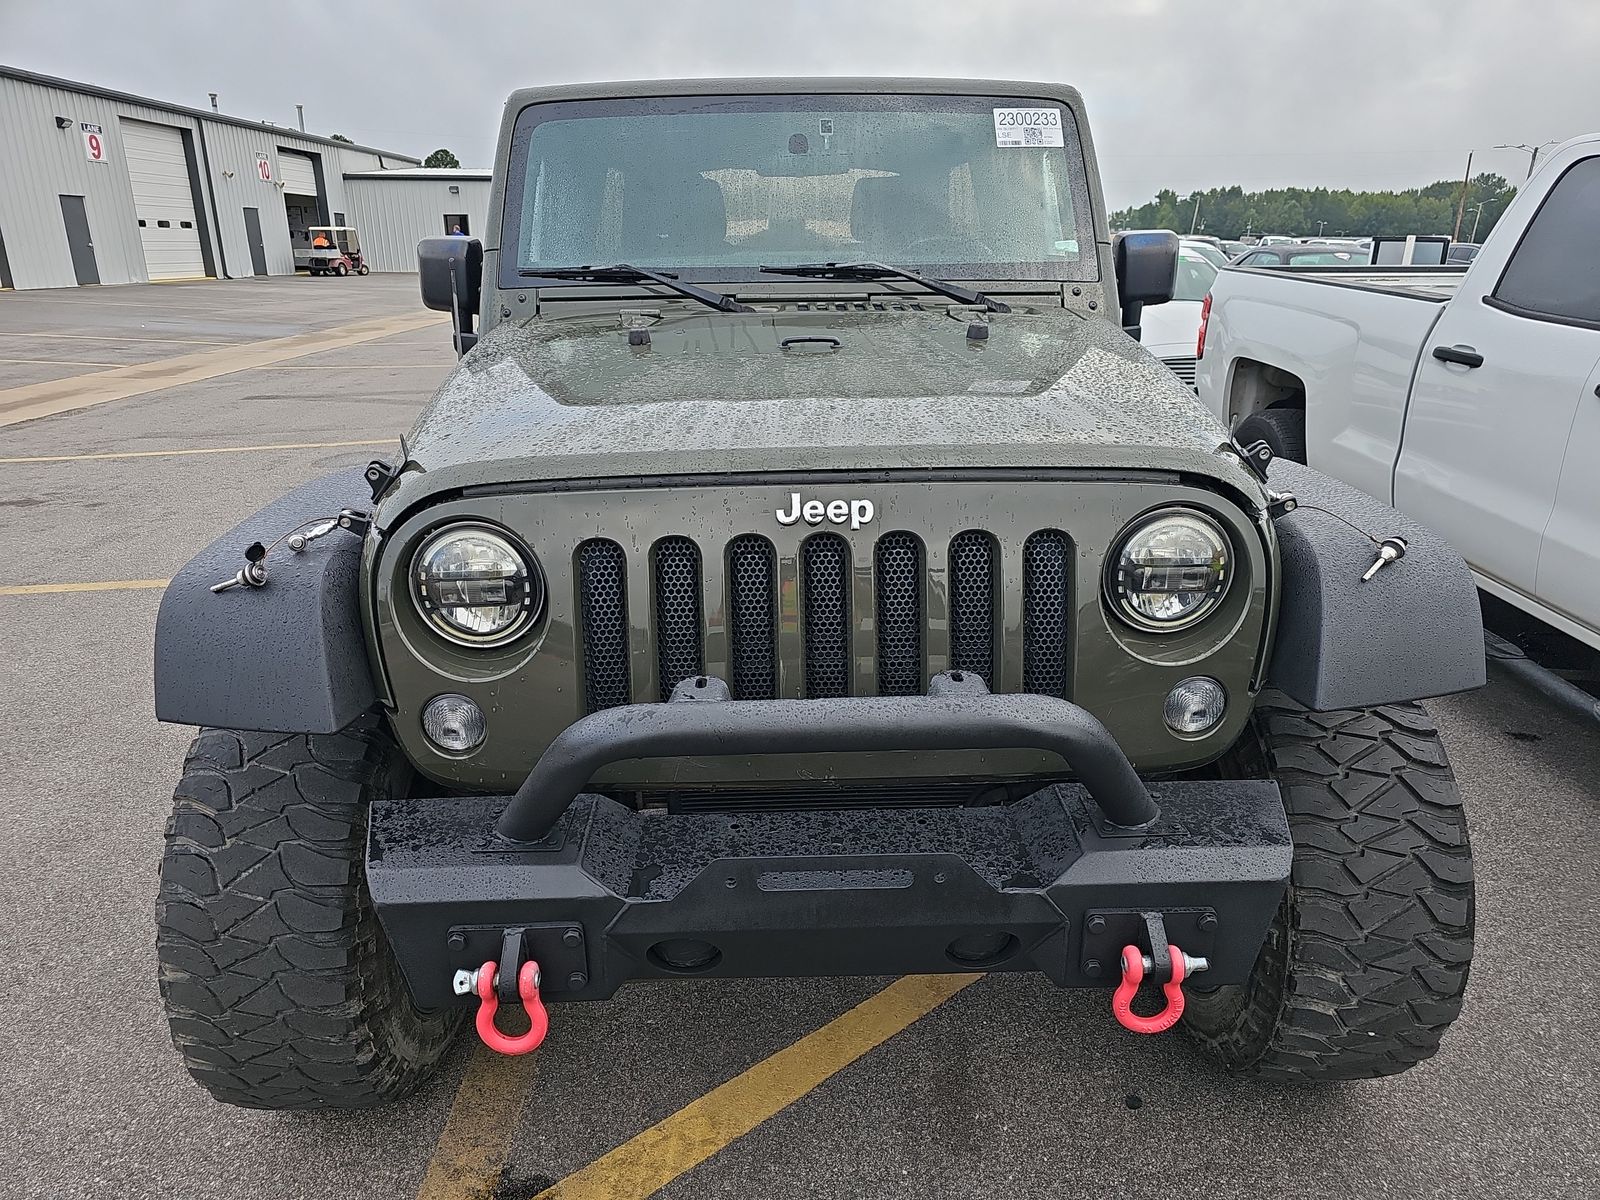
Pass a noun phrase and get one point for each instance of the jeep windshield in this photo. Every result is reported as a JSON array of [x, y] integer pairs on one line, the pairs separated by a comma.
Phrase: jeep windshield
[[715, 187]]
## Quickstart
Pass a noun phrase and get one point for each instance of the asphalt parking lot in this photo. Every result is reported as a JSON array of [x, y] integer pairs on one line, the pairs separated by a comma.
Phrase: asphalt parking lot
[[209, 399]]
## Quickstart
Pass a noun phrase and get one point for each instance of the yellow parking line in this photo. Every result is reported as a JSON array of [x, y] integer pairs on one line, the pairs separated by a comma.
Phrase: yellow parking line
[[471, 1152], [107, 585], [48, 334], [44, 458], [60, 362], [647, 1163], [81, 391]]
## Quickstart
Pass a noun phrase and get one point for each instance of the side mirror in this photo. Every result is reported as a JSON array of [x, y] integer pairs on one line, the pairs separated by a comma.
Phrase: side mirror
[[451, 273], [1147, 272]]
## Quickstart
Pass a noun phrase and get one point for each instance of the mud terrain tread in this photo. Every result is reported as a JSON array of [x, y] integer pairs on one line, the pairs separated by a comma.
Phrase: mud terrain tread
[[1284, 429], [280, 988], [1366, 963]]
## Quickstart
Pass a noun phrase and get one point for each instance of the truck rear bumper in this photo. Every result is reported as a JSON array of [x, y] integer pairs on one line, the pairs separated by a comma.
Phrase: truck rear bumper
[[1045, 884]]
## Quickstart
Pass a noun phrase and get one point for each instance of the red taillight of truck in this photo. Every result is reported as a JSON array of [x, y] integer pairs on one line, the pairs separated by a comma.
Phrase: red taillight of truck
[[1205, 317]]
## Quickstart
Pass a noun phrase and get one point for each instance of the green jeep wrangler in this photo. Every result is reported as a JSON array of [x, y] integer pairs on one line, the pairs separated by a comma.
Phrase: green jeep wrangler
[[806, 572]]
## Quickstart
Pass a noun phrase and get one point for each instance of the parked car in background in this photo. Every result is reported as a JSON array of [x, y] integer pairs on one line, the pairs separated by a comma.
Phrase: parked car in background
[[1298, 254], [1462, 252], [1233, 249], [1410, 250], [1206, 249], [1171, 331], [1466, 396]]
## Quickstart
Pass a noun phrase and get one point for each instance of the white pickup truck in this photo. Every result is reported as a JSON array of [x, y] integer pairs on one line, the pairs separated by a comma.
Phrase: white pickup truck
[[1467, 398]]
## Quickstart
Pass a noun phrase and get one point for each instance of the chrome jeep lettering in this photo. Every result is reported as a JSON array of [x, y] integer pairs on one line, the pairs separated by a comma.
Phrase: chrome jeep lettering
[[855, 513]]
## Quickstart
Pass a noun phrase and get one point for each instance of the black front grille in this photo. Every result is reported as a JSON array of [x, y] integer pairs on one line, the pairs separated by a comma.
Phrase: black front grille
[[603, 620], [825, 616], [972, 590], [1046, 560], [680, 651], [752, 618], [898, 591], [825, 577]]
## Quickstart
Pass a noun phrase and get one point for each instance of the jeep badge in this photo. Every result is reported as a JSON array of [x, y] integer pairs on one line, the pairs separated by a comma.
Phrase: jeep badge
[[835, 512]]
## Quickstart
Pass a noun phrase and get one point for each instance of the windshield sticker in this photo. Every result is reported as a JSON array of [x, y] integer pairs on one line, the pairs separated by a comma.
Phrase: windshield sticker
[[1027, 127]]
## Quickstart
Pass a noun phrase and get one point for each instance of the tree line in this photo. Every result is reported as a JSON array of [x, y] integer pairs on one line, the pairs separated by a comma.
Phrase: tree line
[[1232, 212]]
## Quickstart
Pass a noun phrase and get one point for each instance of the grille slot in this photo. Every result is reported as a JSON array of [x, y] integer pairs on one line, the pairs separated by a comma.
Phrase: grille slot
[[1184, 368], [752, 618], [680, 650], [898, 596], [972, 583], [1046, 559], [825, 575], [603, 604]]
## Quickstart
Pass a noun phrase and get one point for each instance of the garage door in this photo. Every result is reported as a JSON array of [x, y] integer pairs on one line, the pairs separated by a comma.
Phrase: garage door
[[299, 179], [159, 172]]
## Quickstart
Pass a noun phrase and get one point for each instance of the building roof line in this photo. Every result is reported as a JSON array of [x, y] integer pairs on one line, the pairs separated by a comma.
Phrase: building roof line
[[205, 114], [423, 174]]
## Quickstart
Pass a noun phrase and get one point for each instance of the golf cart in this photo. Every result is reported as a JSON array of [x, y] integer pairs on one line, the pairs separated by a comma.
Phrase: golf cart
[[335, 250]]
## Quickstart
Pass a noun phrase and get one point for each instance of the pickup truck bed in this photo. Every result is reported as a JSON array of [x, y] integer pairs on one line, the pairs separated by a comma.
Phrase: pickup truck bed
[[1466, 396], [1423, 283]]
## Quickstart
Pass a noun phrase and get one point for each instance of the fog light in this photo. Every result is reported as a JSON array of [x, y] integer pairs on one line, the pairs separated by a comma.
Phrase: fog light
[[454, 723], [1195, 705]]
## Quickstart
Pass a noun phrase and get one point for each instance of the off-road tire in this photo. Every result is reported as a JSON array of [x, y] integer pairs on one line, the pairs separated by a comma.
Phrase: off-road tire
[[1365, 964], [279, 985], [1283, 429]]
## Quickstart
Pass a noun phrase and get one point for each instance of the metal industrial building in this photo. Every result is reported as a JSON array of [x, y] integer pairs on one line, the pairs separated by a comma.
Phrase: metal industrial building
[[99, 186], [395, 209]]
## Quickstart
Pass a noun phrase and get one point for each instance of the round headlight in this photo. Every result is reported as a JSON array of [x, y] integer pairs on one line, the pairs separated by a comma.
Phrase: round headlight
[[1170, 570], [476, 586]]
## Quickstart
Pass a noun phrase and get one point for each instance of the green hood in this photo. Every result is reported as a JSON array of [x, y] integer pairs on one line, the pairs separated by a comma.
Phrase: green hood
[[712, 394]]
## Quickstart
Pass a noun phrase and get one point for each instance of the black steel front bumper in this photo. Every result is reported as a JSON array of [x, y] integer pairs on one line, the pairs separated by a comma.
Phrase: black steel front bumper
[[1050, 883]]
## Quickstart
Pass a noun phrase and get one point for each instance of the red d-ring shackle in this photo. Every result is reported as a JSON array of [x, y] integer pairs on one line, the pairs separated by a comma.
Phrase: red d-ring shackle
[[528, 989], [1132, 977]]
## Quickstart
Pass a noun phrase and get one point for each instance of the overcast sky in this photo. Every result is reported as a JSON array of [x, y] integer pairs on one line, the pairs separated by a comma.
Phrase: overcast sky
[[1181, 93]]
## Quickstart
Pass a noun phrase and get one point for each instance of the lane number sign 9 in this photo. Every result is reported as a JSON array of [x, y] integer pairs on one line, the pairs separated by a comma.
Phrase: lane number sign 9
[[94, 141]]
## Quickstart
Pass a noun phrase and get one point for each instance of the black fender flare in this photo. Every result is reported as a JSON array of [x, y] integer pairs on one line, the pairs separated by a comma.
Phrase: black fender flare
[[290, 657], [1412, 631]]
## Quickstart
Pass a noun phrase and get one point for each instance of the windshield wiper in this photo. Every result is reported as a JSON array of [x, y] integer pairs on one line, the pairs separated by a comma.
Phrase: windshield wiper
[[623, 273], [878, 270]]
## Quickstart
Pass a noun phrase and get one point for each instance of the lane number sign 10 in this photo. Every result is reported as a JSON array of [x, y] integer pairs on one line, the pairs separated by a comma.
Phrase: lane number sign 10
[[94, 142], [263, 167]]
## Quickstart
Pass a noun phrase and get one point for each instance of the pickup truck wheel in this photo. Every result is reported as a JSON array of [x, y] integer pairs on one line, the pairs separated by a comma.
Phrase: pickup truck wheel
[[279, 985], [1283, 429], [1365, 964]]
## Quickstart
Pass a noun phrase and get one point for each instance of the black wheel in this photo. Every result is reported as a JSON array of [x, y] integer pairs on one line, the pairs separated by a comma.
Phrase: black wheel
[[363, 269], [1366, 962], [278, 982], [340, 269], [1283, 429]]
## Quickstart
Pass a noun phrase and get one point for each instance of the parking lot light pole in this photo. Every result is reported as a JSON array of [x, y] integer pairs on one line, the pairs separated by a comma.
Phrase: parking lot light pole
[[1477, 215], [1533, 152]]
